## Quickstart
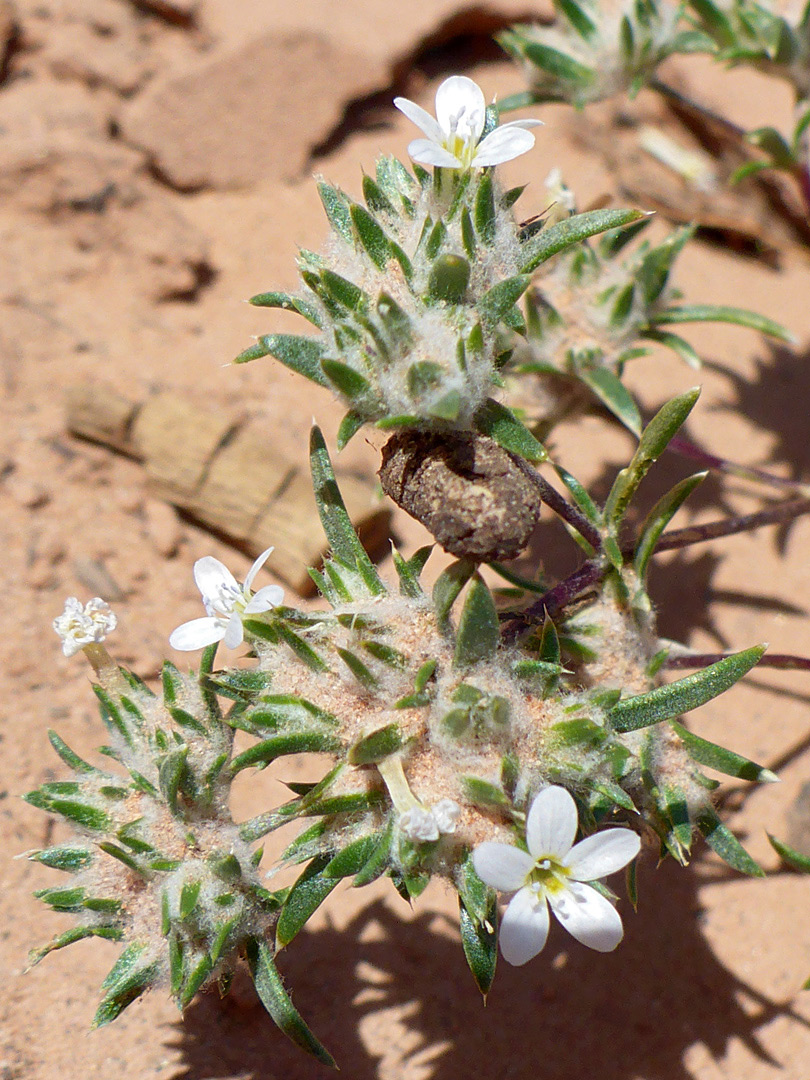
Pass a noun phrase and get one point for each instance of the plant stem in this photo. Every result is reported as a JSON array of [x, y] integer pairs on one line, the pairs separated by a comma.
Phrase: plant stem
[[685, 448], [561, 507], [783, 661], [695, 534], [552, 601]]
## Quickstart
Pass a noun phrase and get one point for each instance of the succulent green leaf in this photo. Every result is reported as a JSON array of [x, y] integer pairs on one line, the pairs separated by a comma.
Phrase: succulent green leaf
[[335, 519], [479, 940], [501, 298], [374, 747], [653, 273], [614, 395], [797, 860], [376, 199], [304, 898], [345, 379], [130, 976], [356, 666], [578, 18], [723, 760], [371, 236], [483, 793], [449, 278], [659, 517], [71, 759], [572, 231], [654, 440], [503, 426], [378, 860], [313, 742], [172, 771], [278, 1003], [351, 859], [478, 634], [409, 570], [559, 64], [666, 702], [725, 844], [349, 426], [679, 345], [300, 354], [448, 586], [484, 210], [63, 857], [725, 314], [76, 933], [85, 816], [336, 205], [288, 303]]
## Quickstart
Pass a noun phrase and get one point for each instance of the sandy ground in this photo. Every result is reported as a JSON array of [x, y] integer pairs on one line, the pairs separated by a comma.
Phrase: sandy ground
[[155, 168]]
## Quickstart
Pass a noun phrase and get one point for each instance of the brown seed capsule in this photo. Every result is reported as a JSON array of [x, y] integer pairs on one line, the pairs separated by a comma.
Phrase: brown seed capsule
[[466, 490]]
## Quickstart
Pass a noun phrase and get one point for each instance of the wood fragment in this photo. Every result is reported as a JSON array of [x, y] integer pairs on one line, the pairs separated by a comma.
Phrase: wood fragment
[[225, 473]]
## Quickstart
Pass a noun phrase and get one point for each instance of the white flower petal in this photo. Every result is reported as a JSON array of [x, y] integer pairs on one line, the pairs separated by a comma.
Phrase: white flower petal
[[502, 144], [419, 825], [197, 634], [446, 813], [211, 576], [460, 106], [269, 596], [524, 927], [588, 916], [258, 564], [602, 854], [423, 120], [551, 826], [234, 633], [427, 152], [502, 866]]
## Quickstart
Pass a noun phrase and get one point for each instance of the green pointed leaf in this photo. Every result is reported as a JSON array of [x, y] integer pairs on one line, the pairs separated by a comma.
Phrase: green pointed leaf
[[613, 394], [578, 18], [478, 634], [448, 586], [725, 844], [279, 1005], [371, 236], [130, 976], [360, 671], [345, 379], [376, 200], [572, 231], [503, 426], [723, 760], [172, 772], [351, 859], [653, 273], [375, 747], [479, 940], [336, 205], [64, 857], [378, 859], [501, 298], [486, 222], [666, 702], [76, 933], [71, 759], [483, 793], [654, 440], [86, 817], [303, 742], [559, 64], [658, 519], [725, 314], [288, 303], [305, 897], [349, 426], [336, 522], [300, 354], [409, 571], [797, 860], [678, 345]]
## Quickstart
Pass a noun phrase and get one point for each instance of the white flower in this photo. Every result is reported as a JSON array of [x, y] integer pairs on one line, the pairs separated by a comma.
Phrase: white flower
[[78, 626], [553, 872], [453, 136], [422, 824], [226, 602]]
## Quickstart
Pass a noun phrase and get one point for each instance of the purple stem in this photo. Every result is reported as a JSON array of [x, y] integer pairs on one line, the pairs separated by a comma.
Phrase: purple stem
[[690, 450], [561, 507], [558, 597], [695, 534], [784, 661]]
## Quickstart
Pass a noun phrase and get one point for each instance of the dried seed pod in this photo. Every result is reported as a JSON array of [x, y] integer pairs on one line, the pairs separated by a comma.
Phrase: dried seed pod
[[466, 490]]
